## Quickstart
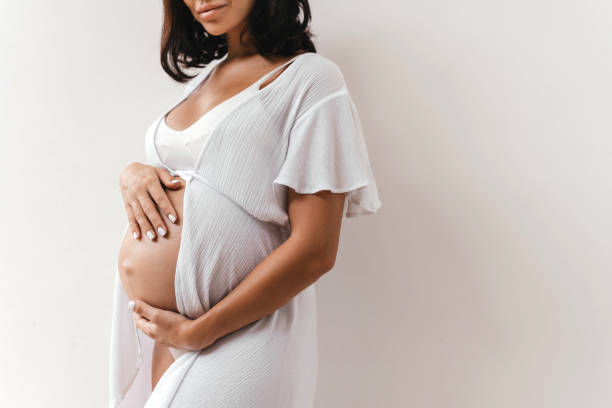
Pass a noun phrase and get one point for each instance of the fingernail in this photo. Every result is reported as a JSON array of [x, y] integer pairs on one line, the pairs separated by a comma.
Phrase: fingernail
[[175, 181], [161, 231], [172, 217], [135, 234], [151, 235], [131, 305]]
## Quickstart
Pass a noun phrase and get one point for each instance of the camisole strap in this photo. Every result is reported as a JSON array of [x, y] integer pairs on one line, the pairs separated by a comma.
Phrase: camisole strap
[[263, 79]]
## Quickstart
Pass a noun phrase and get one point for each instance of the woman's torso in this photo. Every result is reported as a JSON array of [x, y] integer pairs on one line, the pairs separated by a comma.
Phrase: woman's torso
[[147, 268]]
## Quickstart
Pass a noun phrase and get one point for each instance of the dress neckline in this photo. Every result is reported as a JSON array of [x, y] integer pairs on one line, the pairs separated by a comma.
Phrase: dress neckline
[[253, 89], [205, 75]]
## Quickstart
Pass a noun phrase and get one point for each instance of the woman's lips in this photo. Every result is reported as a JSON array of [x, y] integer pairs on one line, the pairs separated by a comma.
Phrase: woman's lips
[[211, 13]]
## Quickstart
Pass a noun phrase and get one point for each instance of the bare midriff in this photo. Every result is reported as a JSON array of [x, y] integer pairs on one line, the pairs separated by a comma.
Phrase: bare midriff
[[147, 268]]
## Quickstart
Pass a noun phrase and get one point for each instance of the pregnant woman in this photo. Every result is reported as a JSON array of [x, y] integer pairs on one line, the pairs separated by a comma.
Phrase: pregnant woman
[[236, 214]]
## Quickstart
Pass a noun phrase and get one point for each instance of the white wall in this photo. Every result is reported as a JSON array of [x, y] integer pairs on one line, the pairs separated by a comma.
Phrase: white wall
[[485, 279]]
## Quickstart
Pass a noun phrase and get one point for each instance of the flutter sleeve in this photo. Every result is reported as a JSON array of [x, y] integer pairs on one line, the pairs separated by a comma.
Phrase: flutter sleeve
[[327, 151]]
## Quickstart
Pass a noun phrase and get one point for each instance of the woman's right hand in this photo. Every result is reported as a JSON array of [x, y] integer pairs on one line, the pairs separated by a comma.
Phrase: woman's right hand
[[141, 188]]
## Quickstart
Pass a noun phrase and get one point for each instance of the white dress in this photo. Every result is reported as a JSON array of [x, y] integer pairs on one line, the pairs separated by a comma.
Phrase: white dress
[[301, 131]]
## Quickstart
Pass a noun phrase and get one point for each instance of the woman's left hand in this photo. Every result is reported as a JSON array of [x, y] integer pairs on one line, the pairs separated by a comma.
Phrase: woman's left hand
[[166, 327]]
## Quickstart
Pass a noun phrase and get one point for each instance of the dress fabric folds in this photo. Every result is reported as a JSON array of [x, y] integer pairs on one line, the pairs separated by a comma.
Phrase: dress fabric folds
[[301, 131]]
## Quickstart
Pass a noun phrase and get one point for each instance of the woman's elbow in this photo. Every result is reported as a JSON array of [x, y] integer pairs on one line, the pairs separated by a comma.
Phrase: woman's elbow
[[315, 259], [330, 261], [326, 259]]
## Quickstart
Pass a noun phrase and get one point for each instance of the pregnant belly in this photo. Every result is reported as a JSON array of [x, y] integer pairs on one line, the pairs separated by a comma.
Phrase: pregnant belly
[[147, 268]]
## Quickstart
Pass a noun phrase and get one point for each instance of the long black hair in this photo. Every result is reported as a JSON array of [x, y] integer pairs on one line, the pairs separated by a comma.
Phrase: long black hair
[[274, 24]]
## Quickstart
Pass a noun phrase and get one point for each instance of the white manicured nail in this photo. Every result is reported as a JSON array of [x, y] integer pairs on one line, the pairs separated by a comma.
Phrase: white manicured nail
[[161, 231], [131, 305], [172, 217], [151, 235], [135, 234]]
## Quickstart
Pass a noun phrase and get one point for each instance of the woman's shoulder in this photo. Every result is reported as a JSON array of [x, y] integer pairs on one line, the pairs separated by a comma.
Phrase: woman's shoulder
[[321, 72]]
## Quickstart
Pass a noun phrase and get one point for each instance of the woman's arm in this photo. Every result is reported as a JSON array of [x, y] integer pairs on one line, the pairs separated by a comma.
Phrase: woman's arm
[[301, 260], [294, 265]]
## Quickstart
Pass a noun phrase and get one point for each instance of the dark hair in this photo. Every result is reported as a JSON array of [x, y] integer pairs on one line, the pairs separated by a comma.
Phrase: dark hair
[[274, 25]]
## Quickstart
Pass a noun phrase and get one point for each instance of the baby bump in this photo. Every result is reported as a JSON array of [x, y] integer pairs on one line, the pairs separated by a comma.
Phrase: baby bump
[[147, 268]]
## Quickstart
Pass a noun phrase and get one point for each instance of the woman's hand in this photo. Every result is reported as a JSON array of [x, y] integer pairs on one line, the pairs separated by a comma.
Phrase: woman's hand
[[141, 188], [168, 328]]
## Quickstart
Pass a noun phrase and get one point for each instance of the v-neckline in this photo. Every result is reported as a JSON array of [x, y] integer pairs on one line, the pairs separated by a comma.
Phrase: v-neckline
[[207, 74], [162, 118]]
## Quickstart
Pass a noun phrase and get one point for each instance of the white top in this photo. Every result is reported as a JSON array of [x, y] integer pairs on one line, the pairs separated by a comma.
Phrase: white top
[[300, 131], [177, 148]]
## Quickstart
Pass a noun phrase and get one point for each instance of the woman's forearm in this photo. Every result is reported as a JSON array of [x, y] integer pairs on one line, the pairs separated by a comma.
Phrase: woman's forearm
[[284, 273]]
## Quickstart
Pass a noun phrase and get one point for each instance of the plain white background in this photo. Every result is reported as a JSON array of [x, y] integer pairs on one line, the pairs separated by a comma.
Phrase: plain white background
[[485, 279]]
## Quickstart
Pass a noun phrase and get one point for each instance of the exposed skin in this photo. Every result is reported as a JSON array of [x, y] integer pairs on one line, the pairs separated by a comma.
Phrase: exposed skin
[[147, 266]]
